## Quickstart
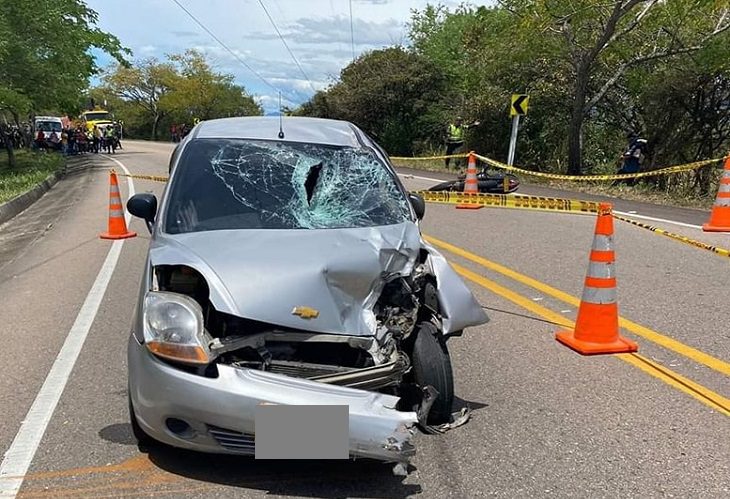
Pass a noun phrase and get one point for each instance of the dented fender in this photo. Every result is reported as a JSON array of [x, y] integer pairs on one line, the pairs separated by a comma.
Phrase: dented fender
[[459, 308]]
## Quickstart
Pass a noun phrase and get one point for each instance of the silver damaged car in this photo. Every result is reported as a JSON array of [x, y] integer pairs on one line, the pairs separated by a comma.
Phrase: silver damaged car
[[286, 267]]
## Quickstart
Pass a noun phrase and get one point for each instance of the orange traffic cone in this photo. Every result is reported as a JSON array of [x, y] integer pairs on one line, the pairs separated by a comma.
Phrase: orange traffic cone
[[117, 225], [471, 184], [720, 216], [596, 329]]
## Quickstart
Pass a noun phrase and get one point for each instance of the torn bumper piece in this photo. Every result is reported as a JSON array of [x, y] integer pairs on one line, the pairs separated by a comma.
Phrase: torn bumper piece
[[219, 413]]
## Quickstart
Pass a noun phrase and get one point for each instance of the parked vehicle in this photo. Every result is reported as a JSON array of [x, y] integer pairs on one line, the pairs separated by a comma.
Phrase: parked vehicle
[[102, 119], [288, 268], [49, 125]]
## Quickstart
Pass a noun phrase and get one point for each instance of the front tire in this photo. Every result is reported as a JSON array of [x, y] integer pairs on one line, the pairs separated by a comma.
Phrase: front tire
[[432, 366]]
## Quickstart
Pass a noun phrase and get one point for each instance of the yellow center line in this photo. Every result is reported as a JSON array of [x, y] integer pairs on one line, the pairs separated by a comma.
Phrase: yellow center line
[[639, 330], [685, 385]]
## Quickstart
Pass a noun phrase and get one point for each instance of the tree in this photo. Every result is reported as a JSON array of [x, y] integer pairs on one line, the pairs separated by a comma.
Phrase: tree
[[143, 85], [393, 94], [580, 110], [206, 94], [600, 41], [184, 87], [45, 59]]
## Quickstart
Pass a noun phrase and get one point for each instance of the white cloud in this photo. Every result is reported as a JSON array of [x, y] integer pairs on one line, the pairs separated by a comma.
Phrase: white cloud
[[147, 49]]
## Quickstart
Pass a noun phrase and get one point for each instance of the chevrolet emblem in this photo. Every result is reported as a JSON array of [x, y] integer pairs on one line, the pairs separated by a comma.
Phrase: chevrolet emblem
[[305, 312]]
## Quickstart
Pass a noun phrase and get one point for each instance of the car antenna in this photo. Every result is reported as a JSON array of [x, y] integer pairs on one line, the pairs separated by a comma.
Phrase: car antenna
[[281, 119]]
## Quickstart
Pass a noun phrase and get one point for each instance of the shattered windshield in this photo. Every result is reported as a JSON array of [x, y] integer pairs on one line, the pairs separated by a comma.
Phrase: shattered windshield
[[242, 184]]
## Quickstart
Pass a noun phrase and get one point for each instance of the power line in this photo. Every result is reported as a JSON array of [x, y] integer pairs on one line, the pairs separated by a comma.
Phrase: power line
[[281, 37], [352, 33], [220, 42]]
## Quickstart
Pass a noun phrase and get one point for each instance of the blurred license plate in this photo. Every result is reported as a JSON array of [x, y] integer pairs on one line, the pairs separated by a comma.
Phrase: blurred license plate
[[302, 432]]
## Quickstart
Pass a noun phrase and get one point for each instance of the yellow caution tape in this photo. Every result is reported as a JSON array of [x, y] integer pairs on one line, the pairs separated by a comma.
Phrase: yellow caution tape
[[427, 158], [145, 177], [663, 171], [512, 201], [676, 237]]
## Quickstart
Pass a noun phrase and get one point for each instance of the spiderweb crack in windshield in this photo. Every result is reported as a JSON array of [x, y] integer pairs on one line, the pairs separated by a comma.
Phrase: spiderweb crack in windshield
[[310, 186]]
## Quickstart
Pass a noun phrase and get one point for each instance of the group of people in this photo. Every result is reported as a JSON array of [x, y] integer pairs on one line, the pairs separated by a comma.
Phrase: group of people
[[77, 140], [15, 135]]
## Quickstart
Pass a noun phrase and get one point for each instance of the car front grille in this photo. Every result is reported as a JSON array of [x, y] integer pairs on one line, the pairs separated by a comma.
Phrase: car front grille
[[234, 441], [303, 369], [296, 369]]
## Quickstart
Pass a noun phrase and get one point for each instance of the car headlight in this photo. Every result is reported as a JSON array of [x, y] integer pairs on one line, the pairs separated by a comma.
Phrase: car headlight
[[173, 328]]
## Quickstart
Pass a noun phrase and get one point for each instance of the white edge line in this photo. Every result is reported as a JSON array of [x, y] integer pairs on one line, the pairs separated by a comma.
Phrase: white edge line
[[661, 220], [19, 456]]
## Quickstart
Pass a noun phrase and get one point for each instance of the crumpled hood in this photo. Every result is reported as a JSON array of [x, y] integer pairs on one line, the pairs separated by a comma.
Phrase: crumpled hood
[[264, 274]]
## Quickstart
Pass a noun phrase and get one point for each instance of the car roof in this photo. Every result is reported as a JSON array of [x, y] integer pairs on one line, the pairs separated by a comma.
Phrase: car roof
[[296, 129]]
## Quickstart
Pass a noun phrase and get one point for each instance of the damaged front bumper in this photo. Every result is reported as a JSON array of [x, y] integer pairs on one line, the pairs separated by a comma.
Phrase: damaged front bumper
[[219, 413]]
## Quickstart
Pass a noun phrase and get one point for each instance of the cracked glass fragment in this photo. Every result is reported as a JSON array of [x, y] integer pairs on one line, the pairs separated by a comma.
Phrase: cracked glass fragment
[[240, 184]]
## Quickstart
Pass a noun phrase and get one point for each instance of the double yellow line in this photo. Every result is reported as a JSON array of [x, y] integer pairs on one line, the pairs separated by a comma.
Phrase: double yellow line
[[699, 392]]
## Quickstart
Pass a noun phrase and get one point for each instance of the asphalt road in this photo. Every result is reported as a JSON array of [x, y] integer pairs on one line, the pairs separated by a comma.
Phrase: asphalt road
[[546, 422]]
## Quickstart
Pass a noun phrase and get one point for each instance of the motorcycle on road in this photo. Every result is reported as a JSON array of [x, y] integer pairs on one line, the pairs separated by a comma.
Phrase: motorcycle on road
[[488, 182]]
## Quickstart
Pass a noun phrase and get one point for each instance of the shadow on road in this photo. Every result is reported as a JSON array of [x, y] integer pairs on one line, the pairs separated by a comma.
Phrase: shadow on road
[[320, 479], [120, 433]]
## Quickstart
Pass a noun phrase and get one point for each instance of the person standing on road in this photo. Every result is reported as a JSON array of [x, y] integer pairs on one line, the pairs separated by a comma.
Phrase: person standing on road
[[55, 141], [118, 136], [455, 136], [97, 139], [64, 142], [110, 140], [631, 159], [80, 140], [40, 140], [72, 145]]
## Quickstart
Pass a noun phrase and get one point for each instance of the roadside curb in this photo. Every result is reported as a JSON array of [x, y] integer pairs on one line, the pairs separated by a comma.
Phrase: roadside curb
[[22, 202]]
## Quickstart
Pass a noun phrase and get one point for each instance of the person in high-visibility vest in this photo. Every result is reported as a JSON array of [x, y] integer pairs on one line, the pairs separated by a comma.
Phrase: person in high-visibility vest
[[455, 136]]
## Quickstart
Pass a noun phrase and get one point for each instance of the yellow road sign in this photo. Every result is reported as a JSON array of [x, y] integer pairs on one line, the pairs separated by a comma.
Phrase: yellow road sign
[[519, 105]]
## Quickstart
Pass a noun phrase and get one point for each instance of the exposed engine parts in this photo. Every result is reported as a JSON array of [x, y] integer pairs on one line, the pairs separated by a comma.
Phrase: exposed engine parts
[[379, 362]]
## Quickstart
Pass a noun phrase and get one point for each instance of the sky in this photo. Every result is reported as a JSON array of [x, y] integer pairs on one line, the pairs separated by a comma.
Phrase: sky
[[316, 31]]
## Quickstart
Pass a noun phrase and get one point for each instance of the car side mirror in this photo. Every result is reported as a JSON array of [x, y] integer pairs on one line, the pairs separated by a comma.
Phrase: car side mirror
[[144, 206], [419, 205]]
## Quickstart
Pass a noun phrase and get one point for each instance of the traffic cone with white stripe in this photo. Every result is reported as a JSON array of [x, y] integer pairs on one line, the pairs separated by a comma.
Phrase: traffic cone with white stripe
[[117, 226], [720, 216], [596, 328], [471, 185]]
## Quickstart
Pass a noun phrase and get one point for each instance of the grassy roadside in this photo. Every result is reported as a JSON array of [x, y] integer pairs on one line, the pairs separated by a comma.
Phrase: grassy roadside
[[32, 169], [640, 192]]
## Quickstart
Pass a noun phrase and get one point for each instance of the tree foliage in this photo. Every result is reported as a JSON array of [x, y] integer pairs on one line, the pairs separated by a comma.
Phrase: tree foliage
[[391, 94], [45, 58], [152, 93], [594, 71]]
